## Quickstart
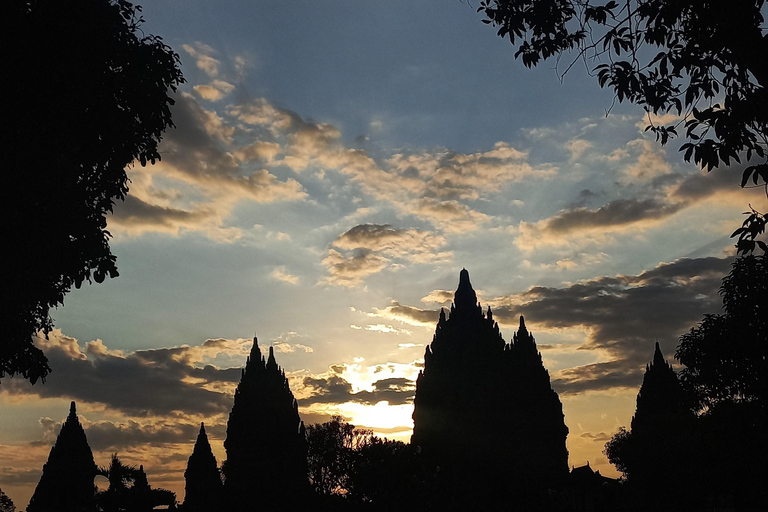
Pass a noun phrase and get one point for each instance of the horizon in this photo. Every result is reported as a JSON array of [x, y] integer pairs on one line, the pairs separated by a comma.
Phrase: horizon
[[331, 171]]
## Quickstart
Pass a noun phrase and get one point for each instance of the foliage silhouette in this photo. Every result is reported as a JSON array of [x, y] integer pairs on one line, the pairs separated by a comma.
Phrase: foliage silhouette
[[265, 444], [91, 95], [703, 61], [6, 503], [204, 488], [334, 454], [129, 490], [725, 358], [66, 484], [390, 475]]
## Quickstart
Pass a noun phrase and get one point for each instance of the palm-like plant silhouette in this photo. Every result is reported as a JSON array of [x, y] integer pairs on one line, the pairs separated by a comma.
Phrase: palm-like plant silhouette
[[129, 490]]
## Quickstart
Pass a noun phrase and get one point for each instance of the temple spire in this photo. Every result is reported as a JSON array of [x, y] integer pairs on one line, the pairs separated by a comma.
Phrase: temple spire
[[465, 297], [255, 350], [658, 357], [271, 362]]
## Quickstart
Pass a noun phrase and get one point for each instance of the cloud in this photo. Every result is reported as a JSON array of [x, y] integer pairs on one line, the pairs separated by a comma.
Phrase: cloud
[[203, 60], [622, 316], [350, 270], [214, 91], [431, 185], [130, 382], [651, 161], [334, 389], [287, 343], [390, 241], [577, 147], [366, 249], [281, 274], [205, 170], [439, 297], [408, 314], [615, 213], [619, 318]]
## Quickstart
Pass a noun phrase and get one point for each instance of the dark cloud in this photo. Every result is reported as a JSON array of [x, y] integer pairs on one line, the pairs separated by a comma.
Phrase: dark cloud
[[106, 435], [134, 211], [599, 376], [143, 383], [15, 476], [623, 315], [409, 314], [615, 213], [700, 186], [336, 390], [599, 436]]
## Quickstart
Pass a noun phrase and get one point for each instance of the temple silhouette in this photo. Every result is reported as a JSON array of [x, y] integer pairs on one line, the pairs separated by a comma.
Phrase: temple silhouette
[[266, 443], [204, 487], [67, 480], [484, 410]]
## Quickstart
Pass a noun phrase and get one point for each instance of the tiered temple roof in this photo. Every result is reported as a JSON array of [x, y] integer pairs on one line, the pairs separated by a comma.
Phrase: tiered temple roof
[[266, 446], [67, 481], [485, 408]]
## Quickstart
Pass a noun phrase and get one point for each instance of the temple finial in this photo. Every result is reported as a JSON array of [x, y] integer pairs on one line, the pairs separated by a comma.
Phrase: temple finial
[[522, 323], [658, 357], [202, 428], [72, 409], [465, 297], [271, 362]]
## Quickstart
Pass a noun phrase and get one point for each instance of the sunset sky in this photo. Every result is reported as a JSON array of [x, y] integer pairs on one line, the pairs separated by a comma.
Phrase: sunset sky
[[334, 166]]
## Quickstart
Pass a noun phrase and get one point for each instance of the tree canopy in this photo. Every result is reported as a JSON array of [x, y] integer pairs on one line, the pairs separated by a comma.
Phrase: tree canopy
[[88, 94], [702, 61], [725, 357]]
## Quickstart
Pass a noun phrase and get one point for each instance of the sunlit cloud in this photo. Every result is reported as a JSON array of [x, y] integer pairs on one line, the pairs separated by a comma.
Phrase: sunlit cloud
[[367, 249], [281, 274], [214, 91], [203, 60]]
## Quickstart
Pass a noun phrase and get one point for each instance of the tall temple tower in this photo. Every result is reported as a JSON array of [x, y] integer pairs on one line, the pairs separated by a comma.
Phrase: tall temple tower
[[485, 410], [202, 477], [67, 481], [266, 465]]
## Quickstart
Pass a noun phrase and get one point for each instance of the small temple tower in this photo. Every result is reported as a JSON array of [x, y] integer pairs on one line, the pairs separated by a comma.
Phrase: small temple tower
[[67, 481], [660, 401], [204, 489], [485, 410], [266, 447]]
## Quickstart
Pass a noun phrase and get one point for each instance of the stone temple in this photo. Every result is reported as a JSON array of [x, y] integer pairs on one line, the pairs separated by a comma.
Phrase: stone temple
[[484, 410]]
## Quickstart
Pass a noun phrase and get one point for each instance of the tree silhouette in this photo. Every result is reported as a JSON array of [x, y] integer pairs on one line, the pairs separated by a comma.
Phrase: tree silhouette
[[91, 95], [725, 363], [66, 484], [203, 479], [703, 61], [129, 490], [333, 455], [725, 358], [266, 446], [6, 503], [390, 476]]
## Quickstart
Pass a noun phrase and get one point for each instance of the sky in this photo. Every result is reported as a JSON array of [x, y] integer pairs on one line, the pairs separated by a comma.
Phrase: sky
[[333, 167]]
